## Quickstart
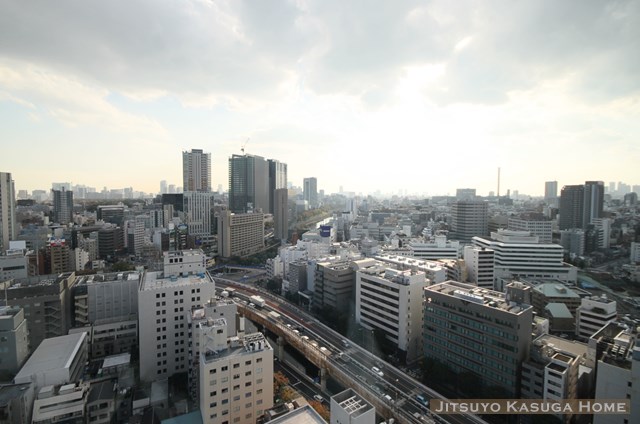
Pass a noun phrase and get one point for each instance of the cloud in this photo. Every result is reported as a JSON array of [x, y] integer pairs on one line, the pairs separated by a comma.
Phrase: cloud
[[69, 101]]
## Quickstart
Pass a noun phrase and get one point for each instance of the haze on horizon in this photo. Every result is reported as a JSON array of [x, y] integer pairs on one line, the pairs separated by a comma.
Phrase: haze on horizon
[[419, 96]]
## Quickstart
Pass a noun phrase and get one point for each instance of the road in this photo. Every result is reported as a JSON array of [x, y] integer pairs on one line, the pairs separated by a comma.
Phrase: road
[[357, 362]]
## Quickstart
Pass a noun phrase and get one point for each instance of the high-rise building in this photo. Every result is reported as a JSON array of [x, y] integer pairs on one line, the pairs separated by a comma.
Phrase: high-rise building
[[277, 180], [469, 219], [62, 206], [240, 234], [198, 209], [248, 184], [310, 191], [593, 201], [465, 194], [196, 171], [8, 226], [281, 213], [551, 192], [479, 331], [571, 207], [580, 204], [165, 300], [163, 186], [479, 262], [390, 300]]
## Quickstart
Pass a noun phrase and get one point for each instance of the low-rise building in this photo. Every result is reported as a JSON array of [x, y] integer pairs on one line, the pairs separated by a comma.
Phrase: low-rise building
[[594, 313], [58, 360], [557, 369], [66, 403], [348, 407]]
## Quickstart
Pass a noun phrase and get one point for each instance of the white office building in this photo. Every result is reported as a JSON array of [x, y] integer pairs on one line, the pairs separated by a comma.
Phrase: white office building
[[519, 255], [437, 247], [198, 210], [235, 374], [541, 228], [165, 300], [434, 271], [603, 227], [479, 262], [391, 301], [594, 313]]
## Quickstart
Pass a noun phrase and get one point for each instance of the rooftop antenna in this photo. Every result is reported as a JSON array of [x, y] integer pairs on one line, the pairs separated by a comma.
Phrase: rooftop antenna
[[244, 145]]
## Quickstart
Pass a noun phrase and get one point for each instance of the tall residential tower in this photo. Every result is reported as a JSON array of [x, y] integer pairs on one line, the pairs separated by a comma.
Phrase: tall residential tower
[[7, 211], [196, 171]]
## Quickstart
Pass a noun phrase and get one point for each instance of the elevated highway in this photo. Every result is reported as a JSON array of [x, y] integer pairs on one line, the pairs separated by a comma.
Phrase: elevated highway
[[393, 393]]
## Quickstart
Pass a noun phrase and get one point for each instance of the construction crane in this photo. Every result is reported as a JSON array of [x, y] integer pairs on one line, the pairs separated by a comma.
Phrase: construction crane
[[244, 145]]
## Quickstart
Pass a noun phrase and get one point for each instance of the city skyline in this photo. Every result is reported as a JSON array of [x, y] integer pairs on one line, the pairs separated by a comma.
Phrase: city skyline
[[395, 97]]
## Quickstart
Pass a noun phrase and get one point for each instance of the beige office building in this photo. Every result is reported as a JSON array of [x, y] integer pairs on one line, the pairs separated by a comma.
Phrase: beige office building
[[240, 234], [236, 374]]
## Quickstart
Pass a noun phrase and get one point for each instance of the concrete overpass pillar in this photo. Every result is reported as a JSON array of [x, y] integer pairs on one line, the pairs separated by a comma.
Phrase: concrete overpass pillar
[[280, 351], [323, 379]]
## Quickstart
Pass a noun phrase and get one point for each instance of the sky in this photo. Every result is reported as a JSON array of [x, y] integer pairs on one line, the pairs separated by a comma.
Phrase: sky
[[393, 96]]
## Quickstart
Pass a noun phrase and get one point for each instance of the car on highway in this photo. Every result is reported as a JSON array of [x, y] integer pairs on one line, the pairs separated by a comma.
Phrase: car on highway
[[388, 398], [422, 401], [318, 398], [377, 371], [345, 343]]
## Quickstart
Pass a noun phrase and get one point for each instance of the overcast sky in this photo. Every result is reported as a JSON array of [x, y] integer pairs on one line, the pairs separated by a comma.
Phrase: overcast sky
[[422, 96]]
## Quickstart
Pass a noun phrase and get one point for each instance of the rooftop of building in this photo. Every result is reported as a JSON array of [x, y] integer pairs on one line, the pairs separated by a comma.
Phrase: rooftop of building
[[9, 311], [601, 298], [9, 392], [303, 415], [402, 277], [184, 253], [236, 346], [478, 295], [40, 281], [558, 310], [407, 261], [52, 354], [109, 277], [191, 418], [549, 345], [619, 343], [157, 280], [352, 403], [116, 360], [556, 290], [101, 391]]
